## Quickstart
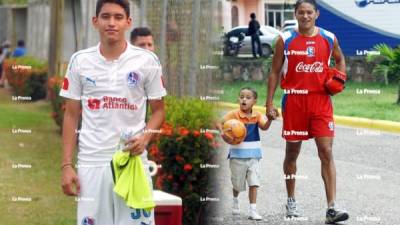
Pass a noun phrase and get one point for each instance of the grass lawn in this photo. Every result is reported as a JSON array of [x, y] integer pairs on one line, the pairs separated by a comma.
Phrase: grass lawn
[[357, 99], [42, 151]]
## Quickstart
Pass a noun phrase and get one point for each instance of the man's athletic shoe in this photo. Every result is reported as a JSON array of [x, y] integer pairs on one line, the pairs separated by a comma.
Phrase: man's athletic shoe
[[253, 215], [335, 215], [235, 207], [291, 208]]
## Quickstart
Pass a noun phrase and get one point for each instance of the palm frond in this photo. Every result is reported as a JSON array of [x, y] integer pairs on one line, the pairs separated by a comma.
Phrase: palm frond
[[380, 70], [385, 51]]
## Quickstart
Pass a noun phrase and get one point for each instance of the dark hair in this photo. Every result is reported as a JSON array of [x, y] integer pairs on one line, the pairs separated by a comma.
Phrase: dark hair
[[123, 3], [253, 15], [250, 89], [140, 31], [299, 2], [21, 43]]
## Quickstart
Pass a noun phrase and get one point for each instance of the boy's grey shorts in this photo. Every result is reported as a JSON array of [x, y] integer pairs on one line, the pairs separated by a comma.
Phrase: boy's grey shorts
[[243, 170]]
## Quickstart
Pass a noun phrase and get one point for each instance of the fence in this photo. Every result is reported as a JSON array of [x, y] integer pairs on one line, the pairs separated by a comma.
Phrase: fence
[[186, 36]]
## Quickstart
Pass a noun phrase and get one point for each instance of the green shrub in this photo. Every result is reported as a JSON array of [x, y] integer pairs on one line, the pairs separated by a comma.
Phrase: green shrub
[[189, 112]]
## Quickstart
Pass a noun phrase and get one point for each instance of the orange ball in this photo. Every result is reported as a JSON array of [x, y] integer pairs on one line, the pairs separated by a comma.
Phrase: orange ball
[[234, 130]]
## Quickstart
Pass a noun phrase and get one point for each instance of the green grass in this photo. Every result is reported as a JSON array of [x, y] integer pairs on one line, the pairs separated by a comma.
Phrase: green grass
[[348, 103], [42, 150]]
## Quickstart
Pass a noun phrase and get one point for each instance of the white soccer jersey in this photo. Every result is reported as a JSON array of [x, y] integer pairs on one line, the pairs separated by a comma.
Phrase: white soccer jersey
[[113, 95]]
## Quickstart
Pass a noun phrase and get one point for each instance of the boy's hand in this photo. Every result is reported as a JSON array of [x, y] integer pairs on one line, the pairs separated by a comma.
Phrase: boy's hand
[[226, 138]]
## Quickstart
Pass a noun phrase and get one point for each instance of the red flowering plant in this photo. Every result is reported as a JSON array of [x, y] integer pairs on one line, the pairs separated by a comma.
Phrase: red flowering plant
[[57, 102], [27, 76], [187, 141]]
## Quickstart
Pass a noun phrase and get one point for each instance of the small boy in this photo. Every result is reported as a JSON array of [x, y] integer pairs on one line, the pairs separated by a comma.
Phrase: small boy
[[244, 158]]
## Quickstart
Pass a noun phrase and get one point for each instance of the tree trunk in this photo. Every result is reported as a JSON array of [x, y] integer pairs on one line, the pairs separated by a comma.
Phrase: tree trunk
[[193, 71], [398, 93]]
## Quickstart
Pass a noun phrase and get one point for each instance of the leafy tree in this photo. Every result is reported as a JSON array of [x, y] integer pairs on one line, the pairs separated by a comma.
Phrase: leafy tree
[[388, 64]]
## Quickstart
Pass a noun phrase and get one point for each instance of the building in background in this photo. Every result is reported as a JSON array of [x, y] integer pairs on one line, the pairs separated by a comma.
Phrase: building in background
[[184, 31], [32, 23], [361, 24], [234, 13], [13, 23]]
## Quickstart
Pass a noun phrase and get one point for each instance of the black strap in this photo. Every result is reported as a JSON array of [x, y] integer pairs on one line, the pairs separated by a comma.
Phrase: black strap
[[112, 170]]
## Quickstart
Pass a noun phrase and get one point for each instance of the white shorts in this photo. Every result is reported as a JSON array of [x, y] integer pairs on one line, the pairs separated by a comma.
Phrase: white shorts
[[99, 205], [243, 170]]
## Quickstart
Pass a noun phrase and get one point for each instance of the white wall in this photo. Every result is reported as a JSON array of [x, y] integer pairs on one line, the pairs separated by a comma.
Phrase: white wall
[[38, 28]]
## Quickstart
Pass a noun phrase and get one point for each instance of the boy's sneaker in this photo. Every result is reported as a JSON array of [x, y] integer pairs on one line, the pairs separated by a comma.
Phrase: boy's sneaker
[[291, 208], [334, 215], [253, 215], [235, 207]]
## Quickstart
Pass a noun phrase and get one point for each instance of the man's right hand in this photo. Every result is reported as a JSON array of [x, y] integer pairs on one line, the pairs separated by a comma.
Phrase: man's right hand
[[69, 180], [271, 112]]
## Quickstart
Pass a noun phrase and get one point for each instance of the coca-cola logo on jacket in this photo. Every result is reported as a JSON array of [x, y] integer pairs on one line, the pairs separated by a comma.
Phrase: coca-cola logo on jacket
[[316, 67]]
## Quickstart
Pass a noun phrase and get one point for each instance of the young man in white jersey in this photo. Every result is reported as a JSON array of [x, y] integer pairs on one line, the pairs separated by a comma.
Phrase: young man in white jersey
[[111, 82]]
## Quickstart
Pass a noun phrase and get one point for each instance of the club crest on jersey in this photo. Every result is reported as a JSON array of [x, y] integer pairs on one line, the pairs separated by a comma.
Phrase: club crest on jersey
[[88, 221], [331, 126], [133, 79], [310, 51]]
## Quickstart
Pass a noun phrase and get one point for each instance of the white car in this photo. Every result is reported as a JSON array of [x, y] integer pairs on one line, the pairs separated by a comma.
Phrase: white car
[[267, 36], [289, 25]]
